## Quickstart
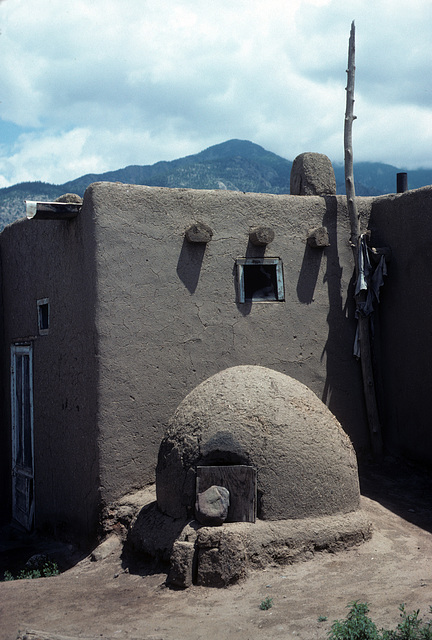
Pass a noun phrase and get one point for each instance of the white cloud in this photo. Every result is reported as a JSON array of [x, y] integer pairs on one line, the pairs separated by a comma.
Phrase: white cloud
[[56, 156], [117, 82]]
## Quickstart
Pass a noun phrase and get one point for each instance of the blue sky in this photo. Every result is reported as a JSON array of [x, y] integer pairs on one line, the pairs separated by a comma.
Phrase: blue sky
[[91, 87]]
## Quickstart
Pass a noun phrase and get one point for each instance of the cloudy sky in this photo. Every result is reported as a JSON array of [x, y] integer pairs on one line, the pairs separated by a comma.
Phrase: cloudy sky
[[90, 86]]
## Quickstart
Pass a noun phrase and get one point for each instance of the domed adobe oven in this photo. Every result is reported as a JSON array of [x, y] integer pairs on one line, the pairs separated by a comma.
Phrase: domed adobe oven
[[280, 458]]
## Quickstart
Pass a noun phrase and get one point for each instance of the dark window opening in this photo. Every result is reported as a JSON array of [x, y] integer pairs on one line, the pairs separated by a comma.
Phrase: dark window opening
[[260, 282], [43, 316], [260, 279]]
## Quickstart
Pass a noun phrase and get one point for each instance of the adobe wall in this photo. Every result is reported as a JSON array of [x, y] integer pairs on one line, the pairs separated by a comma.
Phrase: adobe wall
[[5, 444], [404, 223], [55, 260], [139, 317], [168, 316]]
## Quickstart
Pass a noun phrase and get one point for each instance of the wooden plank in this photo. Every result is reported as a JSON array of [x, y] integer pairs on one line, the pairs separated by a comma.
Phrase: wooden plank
[[241, 482]]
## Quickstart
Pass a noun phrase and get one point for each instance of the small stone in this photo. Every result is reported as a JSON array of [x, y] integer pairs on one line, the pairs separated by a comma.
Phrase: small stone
[[318, 238], [211, 507], [110, 545], [199, 233], [261, 236]]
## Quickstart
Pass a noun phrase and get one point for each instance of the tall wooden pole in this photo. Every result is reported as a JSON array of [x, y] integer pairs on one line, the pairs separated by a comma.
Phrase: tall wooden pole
[[363, 321], [348, 146]]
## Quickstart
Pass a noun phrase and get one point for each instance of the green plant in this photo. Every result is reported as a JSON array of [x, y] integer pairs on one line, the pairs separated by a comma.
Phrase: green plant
[[322, 618], [411, 627], [266, 604], [356, 626], [45, 569]]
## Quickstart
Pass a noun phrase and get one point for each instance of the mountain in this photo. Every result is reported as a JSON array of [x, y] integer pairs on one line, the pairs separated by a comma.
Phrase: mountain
[[237, 165]]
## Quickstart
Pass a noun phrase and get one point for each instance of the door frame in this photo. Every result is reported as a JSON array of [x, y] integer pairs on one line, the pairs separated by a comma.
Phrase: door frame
[[22, 431]]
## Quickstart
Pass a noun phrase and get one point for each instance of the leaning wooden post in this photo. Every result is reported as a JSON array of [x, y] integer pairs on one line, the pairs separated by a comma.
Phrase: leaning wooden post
[[363, 321]]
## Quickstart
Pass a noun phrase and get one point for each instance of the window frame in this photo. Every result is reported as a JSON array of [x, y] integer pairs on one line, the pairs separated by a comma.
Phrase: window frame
[[43, 331], [241, 263]]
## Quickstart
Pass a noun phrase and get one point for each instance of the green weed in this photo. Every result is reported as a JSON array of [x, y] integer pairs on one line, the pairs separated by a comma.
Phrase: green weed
[[358, 626], [45, 569], [266, 604]]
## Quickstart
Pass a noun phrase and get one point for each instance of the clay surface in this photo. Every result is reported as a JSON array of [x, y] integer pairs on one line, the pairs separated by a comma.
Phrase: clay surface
[[117, 598], [306, 465], [140, 316]]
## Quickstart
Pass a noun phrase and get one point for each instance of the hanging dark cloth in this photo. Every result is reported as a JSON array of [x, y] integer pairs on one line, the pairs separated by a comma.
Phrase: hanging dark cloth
[[370, 279]]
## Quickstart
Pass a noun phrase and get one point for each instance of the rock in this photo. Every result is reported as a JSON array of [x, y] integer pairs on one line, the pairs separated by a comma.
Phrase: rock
[[199, 233], [312, 174], [318, 238], [261, 236], [181, 565], [154, 534], [211, 507], [112, 544]]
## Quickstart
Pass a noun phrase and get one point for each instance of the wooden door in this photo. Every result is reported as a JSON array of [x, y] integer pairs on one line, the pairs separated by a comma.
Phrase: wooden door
[[22, 435], [241, 482]]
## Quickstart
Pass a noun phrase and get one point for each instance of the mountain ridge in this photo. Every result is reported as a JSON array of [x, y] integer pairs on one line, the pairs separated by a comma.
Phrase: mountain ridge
[[235, 164]]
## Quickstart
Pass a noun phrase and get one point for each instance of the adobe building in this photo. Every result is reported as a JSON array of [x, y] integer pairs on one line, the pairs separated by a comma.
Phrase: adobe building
[[112, 316]]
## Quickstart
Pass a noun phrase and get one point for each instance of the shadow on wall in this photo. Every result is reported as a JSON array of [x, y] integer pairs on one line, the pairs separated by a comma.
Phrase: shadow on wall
[[341, 332], [189, 264], [308, 274]]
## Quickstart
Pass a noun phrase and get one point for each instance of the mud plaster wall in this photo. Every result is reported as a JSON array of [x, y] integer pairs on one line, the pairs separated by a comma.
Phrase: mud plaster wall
[[404, 222], [5, 445], [167, 315], [139, 318], [55, 260]]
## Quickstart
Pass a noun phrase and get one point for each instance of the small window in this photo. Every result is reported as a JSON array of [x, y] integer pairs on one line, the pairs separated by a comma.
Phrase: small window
[[43, 316], [260, 279]]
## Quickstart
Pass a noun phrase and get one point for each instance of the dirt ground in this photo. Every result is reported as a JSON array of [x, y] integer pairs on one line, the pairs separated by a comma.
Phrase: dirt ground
[[119, 598]]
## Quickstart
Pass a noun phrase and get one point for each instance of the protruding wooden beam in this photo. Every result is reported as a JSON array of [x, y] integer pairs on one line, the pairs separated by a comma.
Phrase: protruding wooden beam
[[261, 236], [199, 233]]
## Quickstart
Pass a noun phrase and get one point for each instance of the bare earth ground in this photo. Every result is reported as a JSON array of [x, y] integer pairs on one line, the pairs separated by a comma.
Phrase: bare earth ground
[[113, 598]]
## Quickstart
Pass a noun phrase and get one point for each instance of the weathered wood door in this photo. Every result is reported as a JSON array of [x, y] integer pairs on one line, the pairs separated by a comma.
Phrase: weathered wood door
[[241, 482], [22, 435]]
